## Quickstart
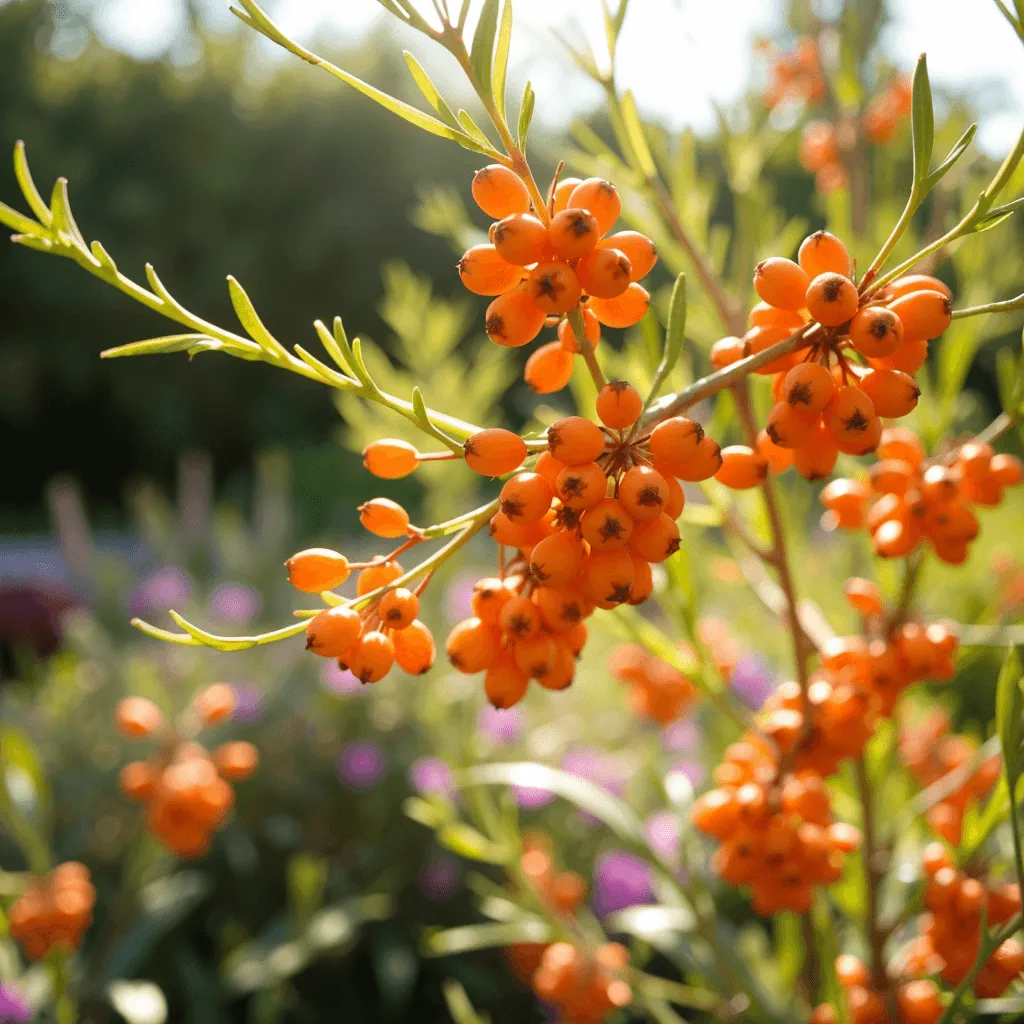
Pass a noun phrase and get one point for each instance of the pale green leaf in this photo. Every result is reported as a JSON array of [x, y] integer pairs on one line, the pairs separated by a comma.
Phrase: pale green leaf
[[637, 139], [28, 186], [922, 122], [196, 637], [481, 53], [250, 320], [467, 842], [155, 346], [18, 221], [675, 336], [1010, 713], [526, 114], [499, 74], [954, 154], [485, 936], [430, 91]]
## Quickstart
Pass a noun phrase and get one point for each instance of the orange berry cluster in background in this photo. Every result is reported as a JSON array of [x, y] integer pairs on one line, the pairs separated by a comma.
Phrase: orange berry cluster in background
[[795, 74], [930, 751], [659, 692], [54, 911], [909, 498], [579, 531], [583, 988], [917, 1002], [542, 265], [186, 788]]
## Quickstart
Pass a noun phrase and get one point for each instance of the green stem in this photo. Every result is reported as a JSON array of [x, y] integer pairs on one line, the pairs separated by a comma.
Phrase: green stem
[[585, 349], [872, 879], [990, 943], [1006, 306]]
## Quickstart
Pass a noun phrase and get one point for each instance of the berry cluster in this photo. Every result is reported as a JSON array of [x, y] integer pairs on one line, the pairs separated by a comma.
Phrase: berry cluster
[[582, 529], [776, 830], [584, 989], [659, 692], [186, 788], [917, 1002], [543, 264], [909, 498], [54, 911], [795, 74]]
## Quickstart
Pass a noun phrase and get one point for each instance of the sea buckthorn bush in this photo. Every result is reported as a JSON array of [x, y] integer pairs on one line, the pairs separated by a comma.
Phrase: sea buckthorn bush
[[842, 840]]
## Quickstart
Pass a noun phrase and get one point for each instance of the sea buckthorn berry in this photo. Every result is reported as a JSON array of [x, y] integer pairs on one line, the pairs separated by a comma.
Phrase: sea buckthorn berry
[[757, 339], [676, 497], [494, 451], [377, 575], [925, 315], [809, 388], [703, 465], [138, 780], [472, 645], [787, 427], [489, 596], [521, 239], [572, 233], [903, 444], [849, 413], [398, 608], [919, 1002], [832, 299], [863, 442], [606, 525], [555, 560], [535, 656], [763, 315], [484, 272], [619, 404], [549, 368], [564, 189], [505, 683], [742, 467], [580, 486], [415, 651], [554, 287], [513, 319], [591, 329], [876, 332], [779, 459], [894, 539], [675, 440], [560, 608], [317, 569], [371, 657], [137, 717], [549, 467], [389, 459], [499, 192], [645, 493], [624, 310], [236, 760], [575, 439], [816, 457], [600, 198], [215, 704], [656, 539], [608, 577], [863, 595], [520, 618], [725, 352], [333, 632], [781, 283], [823, 253], [525, 498], [1006, 470], [915, 283], [850, 970], [641, 252], [909, 357], [604, 273], [892, 393], [383, 518]]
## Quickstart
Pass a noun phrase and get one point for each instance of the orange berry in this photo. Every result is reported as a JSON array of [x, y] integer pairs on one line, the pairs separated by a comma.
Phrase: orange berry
[[398, 608], [575, 439], [472, 645], [591, 328], [215, 704], [919, 1002], [909, 357], [555, 560], [371, 657], [656, 539], [494, 451], [505, 683], [484, 272], [521, 239], [863, 442], [848, 414], [600, 198], [390, 459], [876, 332], [564, 189], [377, 575], [1006, 470], [903, 444], [779, 459], [763, 315], [317, 569], [525, 498], [809, 388], [236, 760], [637, 248], [816, 457], [915, 283], [414, 648], [832, 299], [608, 577], [489, 596], [925, 314], [580, 486], [535, 656], [850, 970], [789, 428], [645, 493], [863, 595], [604, 273], [741, 467], [383, 518], [892, 393], [333, 632], [781, 283], [757, 339], [676, 497], [560, 608], [138, 780], [619, 404], [624, 310], [554, 287], [675, 440], [137, 717], [549, 368], [704, 463], [519, 618], [823, 253], [513, 319], [606, 525], [499, 192], [572, 233], [894, 539], [549, 467], [726, 351]]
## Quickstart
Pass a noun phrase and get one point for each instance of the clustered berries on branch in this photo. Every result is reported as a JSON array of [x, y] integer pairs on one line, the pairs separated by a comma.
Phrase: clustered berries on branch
[[54, 911]]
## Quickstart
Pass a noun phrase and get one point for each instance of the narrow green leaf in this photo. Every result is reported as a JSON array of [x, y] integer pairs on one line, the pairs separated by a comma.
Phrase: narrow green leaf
[[393, 8], [526, 114], [471, 128], [250, 320], [155, 346], [654, 923], [467, 842], [637, 138], [922, 122], [459, 1006], [196, 637], [954, 154], [499, 75], [675, 336], [485, 936], [33, 242], [1018, 6], [28, 186], [430, 91], [60, 208], [481, 54], [1010, 379], [103, 258], [18, 221], [1010, 713], [18, 753], [1000, 213]]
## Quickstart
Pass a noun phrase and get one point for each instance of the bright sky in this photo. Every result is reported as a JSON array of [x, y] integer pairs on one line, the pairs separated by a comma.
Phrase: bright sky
[[678, 56]]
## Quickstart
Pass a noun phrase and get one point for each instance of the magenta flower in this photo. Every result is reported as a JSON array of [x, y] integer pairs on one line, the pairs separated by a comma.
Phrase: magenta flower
[[662, 832], [681, 735], [169, 587], [14, 1009], [692, 769], [753, 681], [530, 798], [439, 880], [620, 880], [339, 680], [458, 596], [431, 775], [502, 726], [234, 602], [361, 765], [248, 703]]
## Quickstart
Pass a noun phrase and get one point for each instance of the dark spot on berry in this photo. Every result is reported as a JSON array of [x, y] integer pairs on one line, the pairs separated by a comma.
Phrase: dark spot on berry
[[773, 433], [394, 614], [580, 224], [672, 547], [548, 286], [649, 497], [879, 329], [800, 394], [538, 574], [571, 612], [611, 528], [573, 486], [511, 507], [618, 386], [519, 625], [620, 593], [554, 438], [856, 421], [831, 287], [495, 325]]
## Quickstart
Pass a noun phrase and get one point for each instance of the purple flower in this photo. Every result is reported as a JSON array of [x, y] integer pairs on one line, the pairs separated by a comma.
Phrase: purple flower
[[439, 880], [662, 831], [681, 735], [234, 602], [13, 1007], [752, 680], [458, 596], [502, 726], [693, 770], [596, 766], [530, 798], [361, 765], [339, 680], [432, 775], [248, 703], [166, 588], [620, 880]]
